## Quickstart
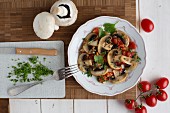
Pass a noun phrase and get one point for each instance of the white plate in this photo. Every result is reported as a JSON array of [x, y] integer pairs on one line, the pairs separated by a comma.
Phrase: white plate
[[90, 83]]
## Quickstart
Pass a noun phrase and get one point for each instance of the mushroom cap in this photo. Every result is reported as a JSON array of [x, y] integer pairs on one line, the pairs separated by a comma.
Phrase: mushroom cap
[[44, 25], [102, 40], [119, 79], [65, 21], [111, 59]]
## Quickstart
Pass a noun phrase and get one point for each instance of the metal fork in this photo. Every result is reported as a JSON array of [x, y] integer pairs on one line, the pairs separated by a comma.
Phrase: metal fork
[[60, 74]]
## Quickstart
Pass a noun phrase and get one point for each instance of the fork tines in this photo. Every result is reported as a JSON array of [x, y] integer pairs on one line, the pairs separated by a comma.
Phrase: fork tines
[[67, 71]]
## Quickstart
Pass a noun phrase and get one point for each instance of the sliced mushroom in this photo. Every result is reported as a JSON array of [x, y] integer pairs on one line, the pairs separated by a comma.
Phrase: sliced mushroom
[[93, 43], [99, 72], [126, 59], [119, 79], [101, 42], [88, 42], [125, 38], [111, 58], [88, 62], [132, 67], [116, 73], [107, 46], [83, 68], [81, 58]]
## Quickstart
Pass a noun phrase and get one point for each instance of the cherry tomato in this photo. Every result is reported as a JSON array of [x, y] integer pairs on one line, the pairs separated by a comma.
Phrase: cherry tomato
[[124, 53], [147, 25], [140, 109], [114, 40], [144, 86], [96, 30], [151, 100], [161, 95], [128, 54], [162, 83], [91, 56], [130, 104], [132, 45], [109, 74]]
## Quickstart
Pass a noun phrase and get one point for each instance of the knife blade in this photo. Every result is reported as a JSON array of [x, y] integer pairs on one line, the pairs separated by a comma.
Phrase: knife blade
[[29, 51]]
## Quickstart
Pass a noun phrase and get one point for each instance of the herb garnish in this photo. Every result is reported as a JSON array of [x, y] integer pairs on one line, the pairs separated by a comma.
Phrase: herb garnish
[[101, 32], [138, 59], [110, 28], [88, 72], [21, 72], [99, 59]]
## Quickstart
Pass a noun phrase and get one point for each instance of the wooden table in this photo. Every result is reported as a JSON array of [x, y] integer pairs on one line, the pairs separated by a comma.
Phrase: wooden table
[[16, 17]]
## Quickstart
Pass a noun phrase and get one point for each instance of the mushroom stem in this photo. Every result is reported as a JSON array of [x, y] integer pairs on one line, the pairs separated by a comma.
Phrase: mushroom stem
[[62, 11]]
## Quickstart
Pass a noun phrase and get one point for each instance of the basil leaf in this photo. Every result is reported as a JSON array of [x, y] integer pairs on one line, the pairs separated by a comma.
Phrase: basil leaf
[[101, 32], [110, 28], [98, 59]]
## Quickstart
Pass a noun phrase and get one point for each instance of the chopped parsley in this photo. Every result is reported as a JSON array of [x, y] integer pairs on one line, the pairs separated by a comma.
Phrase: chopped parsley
[[138, 59], [22, 71], [88, 72]]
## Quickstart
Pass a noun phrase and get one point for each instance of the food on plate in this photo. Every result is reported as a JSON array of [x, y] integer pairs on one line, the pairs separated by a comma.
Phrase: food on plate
[[147, 25], [33, 70], [108, 53]]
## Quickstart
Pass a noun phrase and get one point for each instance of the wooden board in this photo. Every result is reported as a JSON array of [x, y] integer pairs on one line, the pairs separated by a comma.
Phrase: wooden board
[[16, 18]]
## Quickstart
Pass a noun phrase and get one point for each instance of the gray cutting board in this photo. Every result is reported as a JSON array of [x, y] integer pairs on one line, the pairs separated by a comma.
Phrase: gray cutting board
[[49, 89]]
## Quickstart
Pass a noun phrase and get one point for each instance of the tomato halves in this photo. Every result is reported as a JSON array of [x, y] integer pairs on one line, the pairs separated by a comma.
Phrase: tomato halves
[[161, 95], [151, 100], [162, 83], [130, 104], [132, 45], [140, 109], [147, 25], [144, 86], [96, 30]]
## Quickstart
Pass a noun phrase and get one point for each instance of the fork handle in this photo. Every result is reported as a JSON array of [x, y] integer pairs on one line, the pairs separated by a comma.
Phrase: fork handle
[[21, 88]]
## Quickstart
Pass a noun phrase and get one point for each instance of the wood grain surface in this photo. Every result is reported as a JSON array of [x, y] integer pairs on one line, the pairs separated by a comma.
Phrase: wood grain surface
[[16, 18]]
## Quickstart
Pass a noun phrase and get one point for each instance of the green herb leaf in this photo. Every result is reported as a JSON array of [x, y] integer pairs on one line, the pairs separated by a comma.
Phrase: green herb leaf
[[88, 72], [110, 28], [101, 32], [99, 59], [138, 59]]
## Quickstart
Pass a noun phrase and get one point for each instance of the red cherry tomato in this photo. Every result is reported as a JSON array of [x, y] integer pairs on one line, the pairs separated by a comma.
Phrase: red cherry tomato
[[114, 40], [130, 104], [162, 83], [132, 45], [109, 74], [151, 100], [144, 86], [96, 30], [147, 25], [128, 54], [161, 95], [124, 53], [140, 109]]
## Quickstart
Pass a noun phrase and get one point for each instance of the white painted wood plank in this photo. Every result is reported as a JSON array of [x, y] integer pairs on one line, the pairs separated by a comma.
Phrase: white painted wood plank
[[157, 45], [24, 105], [57, 106], [117, 106], [90, 106]]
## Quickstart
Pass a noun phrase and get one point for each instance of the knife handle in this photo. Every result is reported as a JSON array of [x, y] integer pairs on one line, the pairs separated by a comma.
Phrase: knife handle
[[36, 51]]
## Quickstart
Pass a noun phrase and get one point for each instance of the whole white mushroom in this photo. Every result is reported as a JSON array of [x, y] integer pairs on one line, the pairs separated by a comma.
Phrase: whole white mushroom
[[44, 25], [65, 12]]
